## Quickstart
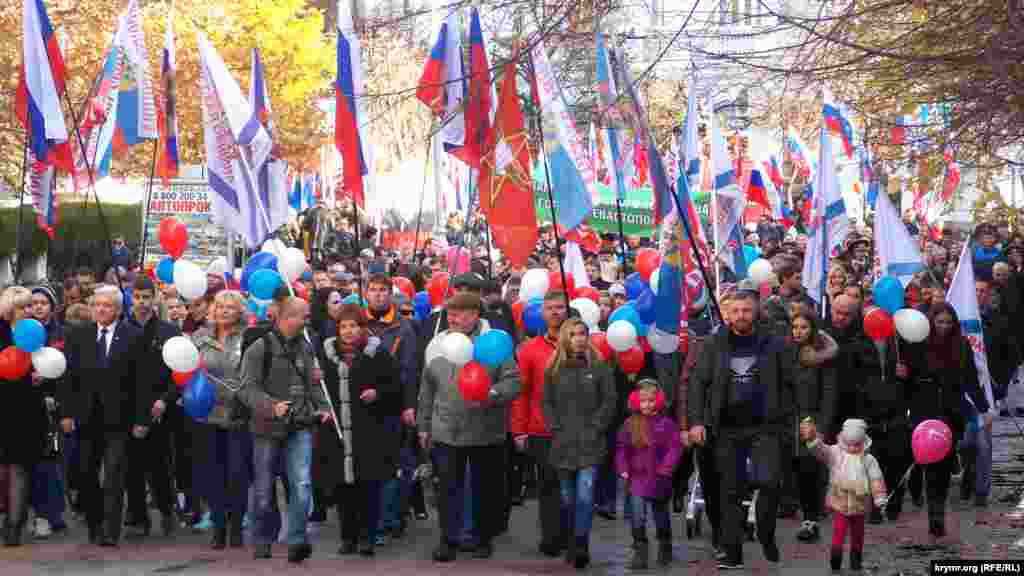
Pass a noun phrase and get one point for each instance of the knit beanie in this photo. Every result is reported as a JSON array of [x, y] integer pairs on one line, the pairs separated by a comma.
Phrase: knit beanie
[[854, 431]]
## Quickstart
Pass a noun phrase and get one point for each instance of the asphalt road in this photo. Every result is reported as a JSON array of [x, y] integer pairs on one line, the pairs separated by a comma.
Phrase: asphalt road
[[901, 548]]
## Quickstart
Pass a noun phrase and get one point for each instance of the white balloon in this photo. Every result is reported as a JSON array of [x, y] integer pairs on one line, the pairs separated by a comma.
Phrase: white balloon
[[457, 348], [654, 279], [218, 267], [180, 354], [275, 247], [912, 325], [535, 284], [291, 263], [760, 271], [190, 281], [49, 362], [433, 351], [621, 335], [589, 311], [662, 342]]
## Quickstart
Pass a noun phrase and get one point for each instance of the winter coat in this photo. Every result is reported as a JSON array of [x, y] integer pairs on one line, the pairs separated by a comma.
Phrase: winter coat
[[374, 445], [940, 394], [815, 384], [693, 350], [223, 363], [527, 415], [23, 418], [159, 384], [839, 498], [449, 419], [260, 395], [650, 469], [1001, 350], [579, 405], [398, 337], [709, 385]]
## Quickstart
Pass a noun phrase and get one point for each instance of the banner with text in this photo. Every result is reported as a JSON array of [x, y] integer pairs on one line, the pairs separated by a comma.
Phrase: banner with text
[[188, 201]]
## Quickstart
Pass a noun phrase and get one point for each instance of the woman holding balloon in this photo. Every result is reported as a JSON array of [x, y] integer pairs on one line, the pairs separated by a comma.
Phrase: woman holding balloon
[[22, 413], [226, 470], [942, 371]]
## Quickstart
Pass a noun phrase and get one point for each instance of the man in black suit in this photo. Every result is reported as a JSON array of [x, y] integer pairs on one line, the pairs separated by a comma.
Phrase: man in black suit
[[149, 449], [100, 394]]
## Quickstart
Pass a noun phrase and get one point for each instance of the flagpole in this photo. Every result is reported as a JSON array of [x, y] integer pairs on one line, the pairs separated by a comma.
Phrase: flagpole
[[419, 213], [21, 205], [551, 196], [622, 234], [149, 203], [693, 248]]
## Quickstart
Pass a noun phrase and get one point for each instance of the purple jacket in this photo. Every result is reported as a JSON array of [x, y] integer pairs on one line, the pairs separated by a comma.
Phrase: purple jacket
[[650, 469]]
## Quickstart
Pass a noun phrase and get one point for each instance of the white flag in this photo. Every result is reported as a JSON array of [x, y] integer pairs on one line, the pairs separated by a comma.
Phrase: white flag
[[897, 252], [574, 264], [963, 298], [829, 222]]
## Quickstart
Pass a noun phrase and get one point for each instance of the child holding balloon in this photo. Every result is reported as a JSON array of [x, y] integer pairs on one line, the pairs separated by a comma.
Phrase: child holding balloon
[[854, 477]]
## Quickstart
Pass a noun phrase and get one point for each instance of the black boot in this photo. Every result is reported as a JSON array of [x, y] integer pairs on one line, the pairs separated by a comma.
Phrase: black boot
[[856, 557], [837, 560], [235, 539], [582, 552], [220, 537], [570, 552], [640, 550], [664, 547], [937, 518]]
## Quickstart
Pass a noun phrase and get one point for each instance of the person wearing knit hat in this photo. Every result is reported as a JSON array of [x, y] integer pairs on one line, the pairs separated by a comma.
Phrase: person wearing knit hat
[[854, 478]]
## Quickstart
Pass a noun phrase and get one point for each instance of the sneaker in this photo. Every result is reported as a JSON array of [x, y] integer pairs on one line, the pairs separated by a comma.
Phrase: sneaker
[[771, 552], [720, 555], [41, 529], [299, 552], [808, 532], [444, 553], [205, 523], [730, 564], [381, 540]]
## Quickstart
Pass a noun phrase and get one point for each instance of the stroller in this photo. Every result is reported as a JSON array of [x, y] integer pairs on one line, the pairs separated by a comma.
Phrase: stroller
[[694, 503]]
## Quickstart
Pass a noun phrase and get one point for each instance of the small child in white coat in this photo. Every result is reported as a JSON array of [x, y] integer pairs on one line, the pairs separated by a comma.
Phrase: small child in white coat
[[854, 477]]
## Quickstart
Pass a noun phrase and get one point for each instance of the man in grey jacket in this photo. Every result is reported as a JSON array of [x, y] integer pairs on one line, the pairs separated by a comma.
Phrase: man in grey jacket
[[466, 432], [286, 403]]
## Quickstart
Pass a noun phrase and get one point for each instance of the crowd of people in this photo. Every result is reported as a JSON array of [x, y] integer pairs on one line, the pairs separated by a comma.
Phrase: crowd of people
[[338, 398]]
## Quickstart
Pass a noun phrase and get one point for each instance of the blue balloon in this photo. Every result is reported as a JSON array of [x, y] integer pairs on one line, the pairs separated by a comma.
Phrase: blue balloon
[[29, 335], [533, 318], [199, 397], [259, 261], [634, 286], [263, 283], [493, 348], [888, 294], [165, 270], [421, 305], [354, 299], [644, 306]]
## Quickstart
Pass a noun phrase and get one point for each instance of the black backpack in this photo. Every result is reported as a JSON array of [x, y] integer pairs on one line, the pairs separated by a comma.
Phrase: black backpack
[[254, 333]]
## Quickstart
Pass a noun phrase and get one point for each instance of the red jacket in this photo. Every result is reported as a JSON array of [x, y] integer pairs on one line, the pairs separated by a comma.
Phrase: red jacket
[[527, 416]]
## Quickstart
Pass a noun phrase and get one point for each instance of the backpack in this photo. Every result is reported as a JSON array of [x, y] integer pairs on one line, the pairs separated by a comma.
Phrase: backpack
[[251, 335]]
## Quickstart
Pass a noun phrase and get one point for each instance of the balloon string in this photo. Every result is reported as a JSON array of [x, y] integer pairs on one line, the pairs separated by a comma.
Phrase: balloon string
[[899, 485]]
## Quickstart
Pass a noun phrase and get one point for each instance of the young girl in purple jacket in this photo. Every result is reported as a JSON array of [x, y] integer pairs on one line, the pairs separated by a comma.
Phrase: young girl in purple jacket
[[648, 451]]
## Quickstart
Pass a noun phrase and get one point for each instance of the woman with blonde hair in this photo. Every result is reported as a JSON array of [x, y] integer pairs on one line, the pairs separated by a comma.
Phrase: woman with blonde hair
[[226, 461], [579, 405], [22, 421]]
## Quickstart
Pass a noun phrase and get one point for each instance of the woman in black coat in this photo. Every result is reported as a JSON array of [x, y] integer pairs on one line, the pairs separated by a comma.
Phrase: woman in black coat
[[22, 420], [366, 394], [943, 375]]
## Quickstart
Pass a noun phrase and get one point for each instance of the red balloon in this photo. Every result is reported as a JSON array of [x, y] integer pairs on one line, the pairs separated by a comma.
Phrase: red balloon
[[173, 237], [589, 293], [600, 342], [555, 283], [931, 441], [14, 363], [517, 313], [632, 360], [165, 230], [474, 382], [437, 288], [878, 324], [404, 286], [644, 344], [300, 290], [182, 378], [647, 261]]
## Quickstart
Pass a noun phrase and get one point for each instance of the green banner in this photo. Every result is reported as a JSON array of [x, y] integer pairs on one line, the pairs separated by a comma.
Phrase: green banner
[[637, 210]]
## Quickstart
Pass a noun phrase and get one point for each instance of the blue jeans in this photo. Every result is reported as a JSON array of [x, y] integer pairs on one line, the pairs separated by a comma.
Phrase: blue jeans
[[977, 450], [577, 488], [47, 495], [659, 510], [297, 451]]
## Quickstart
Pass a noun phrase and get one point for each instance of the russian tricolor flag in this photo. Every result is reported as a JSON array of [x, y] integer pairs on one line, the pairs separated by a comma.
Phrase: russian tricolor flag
[[838, 124], [167, 117], [774, 171], [37, 100], [757, 191], [479, 103], [348, 136]]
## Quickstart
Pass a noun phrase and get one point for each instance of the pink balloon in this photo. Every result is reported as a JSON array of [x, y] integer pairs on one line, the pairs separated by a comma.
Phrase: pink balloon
[[931, 442]]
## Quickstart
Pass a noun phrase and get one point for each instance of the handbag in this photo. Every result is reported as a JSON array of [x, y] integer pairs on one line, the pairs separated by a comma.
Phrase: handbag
[[51, 448]]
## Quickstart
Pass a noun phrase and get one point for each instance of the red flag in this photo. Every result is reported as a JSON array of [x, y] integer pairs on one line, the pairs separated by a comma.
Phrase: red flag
[[478, 104], [641, 164], [506, 189]]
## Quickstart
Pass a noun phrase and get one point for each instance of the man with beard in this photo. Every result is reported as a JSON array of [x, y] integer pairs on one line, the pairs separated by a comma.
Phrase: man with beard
[[741, 389]]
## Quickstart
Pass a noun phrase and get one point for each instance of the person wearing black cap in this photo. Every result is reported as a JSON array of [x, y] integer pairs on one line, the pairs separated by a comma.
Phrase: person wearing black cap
[[741, 388], [469, 282]]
